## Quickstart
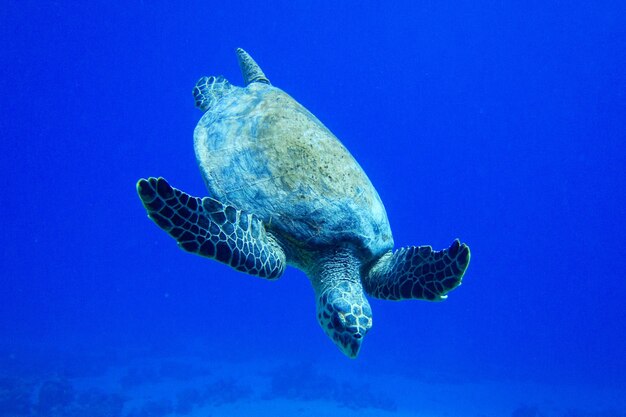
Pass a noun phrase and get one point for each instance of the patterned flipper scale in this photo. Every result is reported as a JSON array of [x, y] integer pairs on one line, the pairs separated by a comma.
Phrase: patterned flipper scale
[[209, 228], [208, 90], [418, 272]]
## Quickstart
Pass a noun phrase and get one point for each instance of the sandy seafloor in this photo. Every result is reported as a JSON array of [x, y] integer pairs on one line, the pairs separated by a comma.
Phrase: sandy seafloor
[[145, 384]]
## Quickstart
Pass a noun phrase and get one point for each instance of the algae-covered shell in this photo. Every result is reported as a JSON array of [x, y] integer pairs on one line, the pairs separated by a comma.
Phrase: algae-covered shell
[[262, 151]]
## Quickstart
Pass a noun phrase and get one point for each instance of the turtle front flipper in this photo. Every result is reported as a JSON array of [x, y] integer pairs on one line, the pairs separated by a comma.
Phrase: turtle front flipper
[[418, 272], [209, 228]]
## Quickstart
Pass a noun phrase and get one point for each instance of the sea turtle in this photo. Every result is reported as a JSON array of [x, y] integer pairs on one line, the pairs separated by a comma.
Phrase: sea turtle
[[284, 191]]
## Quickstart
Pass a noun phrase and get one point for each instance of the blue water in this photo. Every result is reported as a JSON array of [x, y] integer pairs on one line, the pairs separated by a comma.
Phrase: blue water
[[498, 123]]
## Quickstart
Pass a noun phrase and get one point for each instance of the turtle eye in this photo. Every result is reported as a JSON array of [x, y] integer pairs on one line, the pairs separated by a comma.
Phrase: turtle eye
[[338, 321], [342, 318]]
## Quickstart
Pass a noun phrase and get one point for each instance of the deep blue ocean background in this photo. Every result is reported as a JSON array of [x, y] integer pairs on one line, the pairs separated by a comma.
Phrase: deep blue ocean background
[[501, 123]]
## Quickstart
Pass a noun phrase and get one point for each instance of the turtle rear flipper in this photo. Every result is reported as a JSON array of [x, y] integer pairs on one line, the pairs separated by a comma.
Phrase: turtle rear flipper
[[418, 272], [208, 90], [250, 70], [209, 228]]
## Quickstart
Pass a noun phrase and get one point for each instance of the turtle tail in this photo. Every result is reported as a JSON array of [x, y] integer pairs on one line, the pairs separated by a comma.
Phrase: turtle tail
[[208, 90]]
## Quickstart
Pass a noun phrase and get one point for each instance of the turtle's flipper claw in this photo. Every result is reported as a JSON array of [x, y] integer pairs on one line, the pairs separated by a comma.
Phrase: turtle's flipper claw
[[418, 272]]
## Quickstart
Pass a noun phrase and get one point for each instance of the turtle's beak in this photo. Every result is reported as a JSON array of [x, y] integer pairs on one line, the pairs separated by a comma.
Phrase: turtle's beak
[[349, 342], [353, 348]]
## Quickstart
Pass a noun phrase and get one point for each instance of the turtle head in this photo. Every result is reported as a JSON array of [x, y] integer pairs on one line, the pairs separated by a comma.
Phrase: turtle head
[[345, 315]]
